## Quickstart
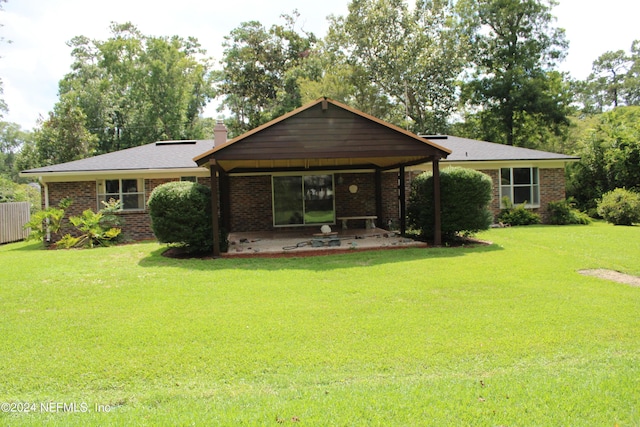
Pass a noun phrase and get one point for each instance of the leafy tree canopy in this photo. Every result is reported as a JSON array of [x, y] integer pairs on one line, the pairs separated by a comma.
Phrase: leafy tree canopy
[[403, 62], [132, 89], [614, 81], [258, 80], [512, 80], [610, 156]]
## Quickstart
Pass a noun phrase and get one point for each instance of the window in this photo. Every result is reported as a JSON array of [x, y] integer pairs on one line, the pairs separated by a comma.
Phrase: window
[[129, 191], [189, 178], [303, 200], [520, 185]]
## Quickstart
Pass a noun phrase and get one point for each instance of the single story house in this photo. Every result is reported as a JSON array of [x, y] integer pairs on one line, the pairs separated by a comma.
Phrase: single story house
[[323, 163]]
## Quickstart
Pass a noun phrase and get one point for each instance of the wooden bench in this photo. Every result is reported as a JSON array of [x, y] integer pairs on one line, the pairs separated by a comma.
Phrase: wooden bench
[[369, 220]]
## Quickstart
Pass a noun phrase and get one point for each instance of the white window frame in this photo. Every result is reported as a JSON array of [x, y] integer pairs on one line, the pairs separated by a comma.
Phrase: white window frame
[[102, 194], [533, 185]]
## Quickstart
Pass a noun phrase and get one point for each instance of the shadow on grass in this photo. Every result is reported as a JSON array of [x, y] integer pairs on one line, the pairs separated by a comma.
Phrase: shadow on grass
[[24, 246], [323, 262]]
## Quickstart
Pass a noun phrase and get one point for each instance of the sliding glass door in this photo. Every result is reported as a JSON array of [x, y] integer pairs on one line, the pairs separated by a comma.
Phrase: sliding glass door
[[303, 200]]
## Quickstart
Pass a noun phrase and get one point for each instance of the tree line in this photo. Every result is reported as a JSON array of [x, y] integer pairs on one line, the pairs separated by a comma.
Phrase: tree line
[[484, 69]]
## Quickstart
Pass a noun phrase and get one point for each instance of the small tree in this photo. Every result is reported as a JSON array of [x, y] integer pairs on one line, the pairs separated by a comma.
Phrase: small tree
[[464, 200], [620, 207], [181, 215]]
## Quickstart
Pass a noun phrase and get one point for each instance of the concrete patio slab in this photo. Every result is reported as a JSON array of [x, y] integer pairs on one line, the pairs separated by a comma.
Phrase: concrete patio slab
[[305, 242]]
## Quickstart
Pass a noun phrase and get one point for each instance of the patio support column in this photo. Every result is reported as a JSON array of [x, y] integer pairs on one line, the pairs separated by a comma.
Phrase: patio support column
[[437, 222], [378, 184], [213, 167], [403, 202], [225, 200]]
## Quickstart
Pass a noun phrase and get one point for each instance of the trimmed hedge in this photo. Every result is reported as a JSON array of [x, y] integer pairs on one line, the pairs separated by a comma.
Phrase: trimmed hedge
[[181, 215], [465, 195]]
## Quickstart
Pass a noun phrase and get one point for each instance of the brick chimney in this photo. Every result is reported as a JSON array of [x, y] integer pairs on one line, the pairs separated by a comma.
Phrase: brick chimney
[[219, 133]]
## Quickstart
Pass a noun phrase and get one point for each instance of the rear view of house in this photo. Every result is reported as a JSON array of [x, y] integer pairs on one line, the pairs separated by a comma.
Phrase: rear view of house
[[323, 163]]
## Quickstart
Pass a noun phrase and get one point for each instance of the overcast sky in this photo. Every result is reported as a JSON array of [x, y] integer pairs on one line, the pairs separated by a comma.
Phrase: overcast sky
[[38, 57]]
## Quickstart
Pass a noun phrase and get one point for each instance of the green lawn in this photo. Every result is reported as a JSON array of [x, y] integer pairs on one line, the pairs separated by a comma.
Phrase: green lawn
[[507, 334]]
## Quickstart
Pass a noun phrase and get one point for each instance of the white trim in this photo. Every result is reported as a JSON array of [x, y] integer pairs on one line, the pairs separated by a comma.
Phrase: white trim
[[512, 185], [140, 183], [497, 164]]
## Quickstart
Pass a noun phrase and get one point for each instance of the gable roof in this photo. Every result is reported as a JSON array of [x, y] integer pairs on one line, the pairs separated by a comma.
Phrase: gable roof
[[160, 155], [472, 150], [323, 134]]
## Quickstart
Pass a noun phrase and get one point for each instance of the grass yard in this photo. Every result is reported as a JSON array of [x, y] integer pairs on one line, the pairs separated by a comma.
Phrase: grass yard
[[507, 334]]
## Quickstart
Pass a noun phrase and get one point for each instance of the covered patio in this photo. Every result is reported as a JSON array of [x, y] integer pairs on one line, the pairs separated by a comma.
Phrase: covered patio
[[305, 243], [334, 161]]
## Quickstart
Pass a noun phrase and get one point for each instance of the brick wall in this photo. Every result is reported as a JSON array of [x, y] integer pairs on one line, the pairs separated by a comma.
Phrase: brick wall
[[251, 203], [137, 224], [362, 202], [552, 188], [251, 208], [251, 199]]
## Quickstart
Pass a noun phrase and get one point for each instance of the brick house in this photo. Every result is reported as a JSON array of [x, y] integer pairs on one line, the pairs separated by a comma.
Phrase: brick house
[[323, 163]]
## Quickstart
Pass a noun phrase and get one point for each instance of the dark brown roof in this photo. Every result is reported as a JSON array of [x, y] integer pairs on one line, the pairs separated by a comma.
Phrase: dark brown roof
[[323, 134]]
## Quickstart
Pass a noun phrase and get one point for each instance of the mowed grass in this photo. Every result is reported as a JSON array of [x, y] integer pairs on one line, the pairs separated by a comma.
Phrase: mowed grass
[[507, 334]]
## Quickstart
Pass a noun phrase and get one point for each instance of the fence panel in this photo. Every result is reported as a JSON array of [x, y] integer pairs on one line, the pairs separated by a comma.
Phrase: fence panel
[[13, 216]]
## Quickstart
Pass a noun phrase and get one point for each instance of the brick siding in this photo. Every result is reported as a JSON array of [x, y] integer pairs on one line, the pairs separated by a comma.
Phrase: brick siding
[[250, 208], [251, 200], [136, 224]]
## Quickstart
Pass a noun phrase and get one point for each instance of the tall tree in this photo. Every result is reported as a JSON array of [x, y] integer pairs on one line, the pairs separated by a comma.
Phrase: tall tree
[[632, 81], [12, 140], [410, 57], [517, 50], [134, 89], [257, 82], [614, 81], [609, 153], [63, 136]]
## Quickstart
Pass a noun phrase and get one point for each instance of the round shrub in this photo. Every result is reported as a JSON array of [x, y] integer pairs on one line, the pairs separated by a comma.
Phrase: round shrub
[[465, 195], [181, 214], [563, 212], [620, 207], [518, 215]]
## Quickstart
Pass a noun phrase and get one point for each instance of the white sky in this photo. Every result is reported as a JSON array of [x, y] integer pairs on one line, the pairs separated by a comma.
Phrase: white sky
[[38, 57]]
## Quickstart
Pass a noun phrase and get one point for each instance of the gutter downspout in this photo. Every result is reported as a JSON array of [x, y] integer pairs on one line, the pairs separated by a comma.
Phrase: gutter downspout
[[46, 206]]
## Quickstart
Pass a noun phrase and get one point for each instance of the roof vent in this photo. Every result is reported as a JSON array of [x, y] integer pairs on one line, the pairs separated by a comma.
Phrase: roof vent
[[435, 136], [177, 142]]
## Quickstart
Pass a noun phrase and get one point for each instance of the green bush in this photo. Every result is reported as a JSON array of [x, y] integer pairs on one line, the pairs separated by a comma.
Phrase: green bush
[[465, 195], [91, 229], [620, 207], [563, 212], [517, 215], [181, 215]]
